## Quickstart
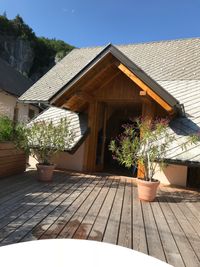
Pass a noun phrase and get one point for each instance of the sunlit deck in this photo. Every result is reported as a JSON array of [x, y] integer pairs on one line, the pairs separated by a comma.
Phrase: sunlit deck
[[103, 208]]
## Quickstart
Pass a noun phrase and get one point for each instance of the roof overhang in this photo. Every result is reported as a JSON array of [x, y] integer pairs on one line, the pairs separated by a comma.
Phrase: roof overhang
[[131, 70]]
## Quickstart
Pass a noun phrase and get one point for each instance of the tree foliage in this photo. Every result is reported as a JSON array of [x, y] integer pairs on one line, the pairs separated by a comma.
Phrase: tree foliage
[[6, 129], [43, 139], [145, 143]]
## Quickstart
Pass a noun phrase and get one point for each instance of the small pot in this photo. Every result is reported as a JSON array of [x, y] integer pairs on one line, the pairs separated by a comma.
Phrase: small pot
[[147, 190], [45, 172]]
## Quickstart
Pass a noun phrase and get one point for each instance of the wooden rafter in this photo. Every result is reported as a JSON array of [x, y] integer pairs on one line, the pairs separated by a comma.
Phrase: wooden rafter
[[88, 97], [145, 88]]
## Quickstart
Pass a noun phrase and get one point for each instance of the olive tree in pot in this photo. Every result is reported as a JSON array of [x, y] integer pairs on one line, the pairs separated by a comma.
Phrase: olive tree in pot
[[144, 143], [43, 139]]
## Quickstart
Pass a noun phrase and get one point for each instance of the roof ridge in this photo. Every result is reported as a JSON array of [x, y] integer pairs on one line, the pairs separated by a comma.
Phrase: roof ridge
[[161, 41], [140, 43]]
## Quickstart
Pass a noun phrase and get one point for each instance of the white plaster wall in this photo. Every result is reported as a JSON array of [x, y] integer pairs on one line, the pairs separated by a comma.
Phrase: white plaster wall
[[23, 112], [7, 106], [66, 161], [172, 174]]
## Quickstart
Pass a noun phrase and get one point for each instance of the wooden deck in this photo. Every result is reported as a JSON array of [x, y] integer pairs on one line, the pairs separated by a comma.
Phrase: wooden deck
[[103, 208]]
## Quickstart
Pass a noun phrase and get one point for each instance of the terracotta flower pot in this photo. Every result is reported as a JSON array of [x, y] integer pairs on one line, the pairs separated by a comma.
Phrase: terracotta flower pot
[[45, 172], [147, 190]]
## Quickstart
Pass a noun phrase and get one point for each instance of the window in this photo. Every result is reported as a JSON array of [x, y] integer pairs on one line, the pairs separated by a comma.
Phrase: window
[[31, 113]]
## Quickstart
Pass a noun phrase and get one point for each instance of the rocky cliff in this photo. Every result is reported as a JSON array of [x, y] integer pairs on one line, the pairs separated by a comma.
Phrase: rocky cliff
[[31, 55], [17, 52]]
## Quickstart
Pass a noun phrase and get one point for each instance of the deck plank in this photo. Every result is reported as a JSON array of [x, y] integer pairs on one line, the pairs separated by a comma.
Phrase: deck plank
[[168, 243], [78, 197], [84, 229], [98, 229], [186, 251], [77, 218], [102, 208], [152, 234], [186, 226], [139, 234], [112, 227], [125, 231], [25, 222]]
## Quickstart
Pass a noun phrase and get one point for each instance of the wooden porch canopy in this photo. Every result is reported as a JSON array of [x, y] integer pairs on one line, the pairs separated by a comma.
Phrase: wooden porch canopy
[[77, 93]]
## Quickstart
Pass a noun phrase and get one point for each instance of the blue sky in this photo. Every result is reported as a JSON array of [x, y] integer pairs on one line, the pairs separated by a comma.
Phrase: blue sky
[[88, 23]]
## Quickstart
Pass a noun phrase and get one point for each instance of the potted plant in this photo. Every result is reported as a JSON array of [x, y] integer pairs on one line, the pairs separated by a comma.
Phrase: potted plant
[[144, 143], [43, 139]]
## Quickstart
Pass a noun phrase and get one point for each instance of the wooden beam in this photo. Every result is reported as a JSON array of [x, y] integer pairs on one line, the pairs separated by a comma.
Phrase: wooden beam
[[145, 88], [87, 79], [148, 112], [91, 141], [85, 96]]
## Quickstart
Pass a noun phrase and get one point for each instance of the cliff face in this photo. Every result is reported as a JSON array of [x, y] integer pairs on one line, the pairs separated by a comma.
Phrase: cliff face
[[31, 55], [17, 52]]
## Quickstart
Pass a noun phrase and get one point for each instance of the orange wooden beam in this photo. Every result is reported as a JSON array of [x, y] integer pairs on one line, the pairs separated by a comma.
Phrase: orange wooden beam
[[145, 88]]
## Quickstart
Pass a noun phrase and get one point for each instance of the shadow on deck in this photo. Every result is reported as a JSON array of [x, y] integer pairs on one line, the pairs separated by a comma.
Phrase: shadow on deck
[[103, 208]]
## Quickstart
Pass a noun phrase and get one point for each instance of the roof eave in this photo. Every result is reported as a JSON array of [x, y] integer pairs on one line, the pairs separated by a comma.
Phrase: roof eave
[[157, 88]]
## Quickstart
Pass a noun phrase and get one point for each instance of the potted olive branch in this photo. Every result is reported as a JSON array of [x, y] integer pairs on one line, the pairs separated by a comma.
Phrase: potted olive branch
[[43, 139], [145, 143]]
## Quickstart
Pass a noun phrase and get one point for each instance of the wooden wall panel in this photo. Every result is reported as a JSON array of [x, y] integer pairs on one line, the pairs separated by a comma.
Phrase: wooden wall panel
[[12, 160], [120, 88]]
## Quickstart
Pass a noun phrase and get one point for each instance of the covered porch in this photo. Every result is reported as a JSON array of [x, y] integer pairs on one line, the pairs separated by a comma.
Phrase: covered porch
[[110, 94], [103, 208]]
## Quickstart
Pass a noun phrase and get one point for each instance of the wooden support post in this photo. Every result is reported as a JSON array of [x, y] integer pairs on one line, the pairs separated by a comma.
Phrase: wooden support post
[[148, 112], [91, 142]]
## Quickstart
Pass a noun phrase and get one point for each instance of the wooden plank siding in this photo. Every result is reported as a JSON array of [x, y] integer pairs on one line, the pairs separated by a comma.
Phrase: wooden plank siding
[[12, 160], [103, 208]]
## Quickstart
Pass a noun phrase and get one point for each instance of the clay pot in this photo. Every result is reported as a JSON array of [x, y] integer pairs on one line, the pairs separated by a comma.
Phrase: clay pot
[[147, 190], [45, 172]]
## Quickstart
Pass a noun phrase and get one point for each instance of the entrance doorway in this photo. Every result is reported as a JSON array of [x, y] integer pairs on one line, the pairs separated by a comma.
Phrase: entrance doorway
[[193, 179], [117, 115]]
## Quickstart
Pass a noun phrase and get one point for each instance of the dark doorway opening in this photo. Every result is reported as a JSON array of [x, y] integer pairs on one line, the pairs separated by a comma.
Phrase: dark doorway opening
[[119, 116], [193, 177]]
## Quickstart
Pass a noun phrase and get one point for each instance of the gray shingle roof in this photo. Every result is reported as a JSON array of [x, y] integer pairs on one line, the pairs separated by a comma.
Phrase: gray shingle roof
[[175, 65], [162, 61], [187, 92], [12, 81]]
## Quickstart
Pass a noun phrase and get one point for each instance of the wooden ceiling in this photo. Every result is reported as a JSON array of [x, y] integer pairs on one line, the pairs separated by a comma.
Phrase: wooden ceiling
[[82, 92]]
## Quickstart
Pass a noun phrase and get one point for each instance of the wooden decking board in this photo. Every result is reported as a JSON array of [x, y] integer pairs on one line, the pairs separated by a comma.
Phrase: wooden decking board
[[16, 228], [112, 228], [187, 211], [102, 208], [186, 251], [78, 197], [84, 229], [19, 200], [10, 192], [81, 212], [69, 223], [152, 234], [139, 233], [186, 227], [125, 230], [44, 227], [168, 243], [46, 222], [99, 226]]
